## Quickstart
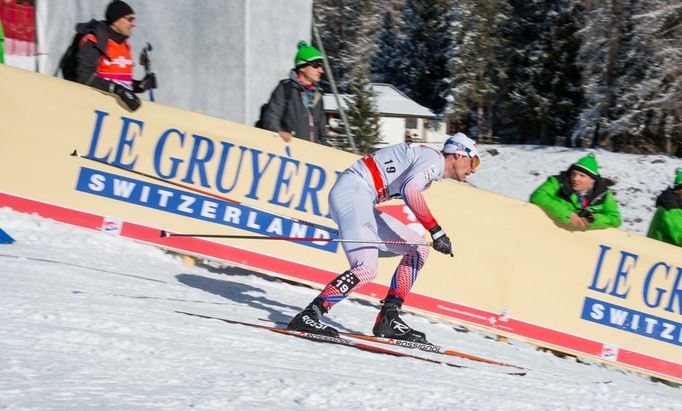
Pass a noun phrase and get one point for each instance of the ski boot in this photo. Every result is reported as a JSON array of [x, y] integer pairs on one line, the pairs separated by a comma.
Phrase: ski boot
[[308, 321], [389, 324]]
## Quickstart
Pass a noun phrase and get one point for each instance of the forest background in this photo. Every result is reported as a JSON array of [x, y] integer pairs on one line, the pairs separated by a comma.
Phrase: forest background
[[577, 73]]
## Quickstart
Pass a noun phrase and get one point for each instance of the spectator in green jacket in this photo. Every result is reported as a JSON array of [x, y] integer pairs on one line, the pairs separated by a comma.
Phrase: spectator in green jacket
[[579, 197], [667, 222]]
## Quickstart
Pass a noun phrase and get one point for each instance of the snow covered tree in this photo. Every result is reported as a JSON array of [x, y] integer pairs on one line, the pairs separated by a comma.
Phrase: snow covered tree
[[476, 66], [425, 45], [413, 52], [648, 114], [607, 49], [348, 29], [632, 61], [389, 64], [543, 93], [669, 52]]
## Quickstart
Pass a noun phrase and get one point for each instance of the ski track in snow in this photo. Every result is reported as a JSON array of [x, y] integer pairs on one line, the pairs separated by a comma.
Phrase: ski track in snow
[[87, 322]]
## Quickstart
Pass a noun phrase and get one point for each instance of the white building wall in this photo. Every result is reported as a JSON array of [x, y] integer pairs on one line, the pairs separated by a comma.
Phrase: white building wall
[[392, 130], [436, 134], [219, 57]]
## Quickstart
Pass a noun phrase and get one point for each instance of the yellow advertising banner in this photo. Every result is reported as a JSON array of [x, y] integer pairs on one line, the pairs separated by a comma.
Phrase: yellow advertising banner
[[74, 154]]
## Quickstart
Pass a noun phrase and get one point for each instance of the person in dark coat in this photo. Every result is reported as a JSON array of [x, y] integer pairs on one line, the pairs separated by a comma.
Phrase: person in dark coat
[[295, 108], [110, 68], [667, 222]]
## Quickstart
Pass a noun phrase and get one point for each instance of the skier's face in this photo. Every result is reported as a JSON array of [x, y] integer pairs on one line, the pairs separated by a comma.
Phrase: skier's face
[[462, 166], [124, 25]]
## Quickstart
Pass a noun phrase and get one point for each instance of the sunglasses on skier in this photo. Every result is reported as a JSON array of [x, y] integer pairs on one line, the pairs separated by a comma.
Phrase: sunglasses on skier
[[475, 161]]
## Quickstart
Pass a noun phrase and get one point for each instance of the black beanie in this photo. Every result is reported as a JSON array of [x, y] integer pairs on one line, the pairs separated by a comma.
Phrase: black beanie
[[116, 10]]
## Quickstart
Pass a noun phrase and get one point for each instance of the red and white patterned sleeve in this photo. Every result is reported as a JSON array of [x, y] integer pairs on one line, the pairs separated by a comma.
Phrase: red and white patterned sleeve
[[411, 192]]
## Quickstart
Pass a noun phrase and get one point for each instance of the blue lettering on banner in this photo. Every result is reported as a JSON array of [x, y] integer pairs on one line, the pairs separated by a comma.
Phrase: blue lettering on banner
[[661, 288], [633, 321], [212, 163], [200, 207]]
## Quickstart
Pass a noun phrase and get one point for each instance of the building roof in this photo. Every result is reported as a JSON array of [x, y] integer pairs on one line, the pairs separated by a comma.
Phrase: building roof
[[390, 102]]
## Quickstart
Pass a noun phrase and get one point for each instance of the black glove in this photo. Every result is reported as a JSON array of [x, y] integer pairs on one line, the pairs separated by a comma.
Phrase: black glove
[[147, 83], [129, 99], [441, 242]]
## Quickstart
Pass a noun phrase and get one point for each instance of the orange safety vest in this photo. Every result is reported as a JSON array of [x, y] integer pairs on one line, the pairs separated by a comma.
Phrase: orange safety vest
[[120, 68]]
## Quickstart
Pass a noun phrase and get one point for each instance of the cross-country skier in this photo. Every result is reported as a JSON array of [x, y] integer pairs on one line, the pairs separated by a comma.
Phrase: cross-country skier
[[398, 171]]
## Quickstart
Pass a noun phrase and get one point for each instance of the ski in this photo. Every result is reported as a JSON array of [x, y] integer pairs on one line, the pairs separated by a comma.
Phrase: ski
[[332, 340], [324, 339], [427, 347]]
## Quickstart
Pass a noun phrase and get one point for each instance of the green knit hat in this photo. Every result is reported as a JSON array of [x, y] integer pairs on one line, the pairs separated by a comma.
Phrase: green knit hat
[[678, 178], [306, 54], [588, 165]]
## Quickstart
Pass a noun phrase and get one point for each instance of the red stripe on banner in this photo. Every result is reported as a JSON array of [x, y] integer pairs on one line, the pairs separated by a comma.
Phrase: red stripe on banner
[[647, 362], [64, 215], [304, 272]]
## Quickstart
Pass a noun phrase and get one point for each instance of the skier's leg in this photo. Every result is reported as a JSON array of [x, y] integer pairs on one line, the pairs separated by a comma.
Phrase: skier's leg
[[388, 322], [351, 204], [414, 256], [352, 208]]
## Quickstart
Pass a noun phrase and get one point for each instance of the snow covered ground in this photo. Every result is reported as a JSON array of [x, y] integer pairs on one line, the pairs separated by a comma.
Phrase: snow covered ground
[[88, 322]]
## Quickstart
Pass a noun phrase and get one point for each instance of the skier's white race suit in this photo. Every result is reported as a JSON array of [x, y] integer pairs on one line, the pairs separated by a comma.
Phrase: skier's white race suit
[[398, 171]]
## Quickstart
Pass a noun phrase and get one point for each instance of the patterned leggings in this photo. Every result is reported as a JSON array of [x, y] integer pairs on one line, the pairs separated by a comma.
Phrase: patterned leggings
[[351, 202]]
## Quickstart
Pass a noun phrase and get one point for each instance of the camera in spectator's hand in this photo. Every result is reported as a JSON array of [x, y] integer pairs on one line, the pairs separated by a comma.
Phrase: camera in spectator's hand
[[584, 213], [147, 83], [127, 97]]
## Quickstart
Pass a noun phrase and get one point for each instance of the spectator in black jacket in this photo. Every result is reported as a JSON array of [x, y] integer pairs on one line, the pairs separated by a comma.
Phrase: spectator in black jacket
[[105, 60], [295, 108]]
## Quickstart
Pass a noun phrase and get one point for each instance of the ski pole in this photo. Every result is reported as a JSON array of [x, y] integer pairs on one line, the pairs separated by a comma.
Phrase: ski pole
[[196, 190], [146, 62], [166, 234]]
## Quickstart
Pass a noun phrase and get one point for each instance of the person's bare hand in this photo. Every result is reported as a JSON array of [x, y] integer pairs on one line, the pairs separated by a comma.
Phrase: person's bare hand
[[286, 136], [577, 221]]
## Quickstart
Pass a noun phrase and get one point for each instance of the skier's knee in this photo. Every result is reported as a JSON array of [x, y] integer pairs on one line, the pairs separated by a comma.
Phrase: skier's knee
[[423, 252]]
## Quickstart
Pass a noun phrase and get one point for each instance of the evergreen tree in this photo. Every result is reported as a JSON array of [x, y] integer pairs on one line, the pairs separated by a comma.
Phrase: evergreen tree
[[388, 65], [426, 45], [646, 114], [607, 50], [348, 29], [632, 58], [629, 92], [667, 124], [476, 67], [543, 96], [413, 54], [363, 118]]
